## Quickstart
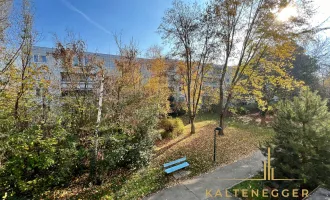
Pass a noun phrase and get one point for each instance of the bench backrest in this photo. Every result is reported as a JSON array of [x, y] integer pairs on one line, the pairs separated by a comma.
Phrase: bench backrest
[[175, 162]]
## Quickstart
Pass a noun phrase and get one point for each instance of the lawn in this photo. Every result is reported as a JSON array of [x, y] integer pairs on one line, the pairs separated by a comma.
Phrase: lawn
[[240, 140], [249, 185], [260, 185]]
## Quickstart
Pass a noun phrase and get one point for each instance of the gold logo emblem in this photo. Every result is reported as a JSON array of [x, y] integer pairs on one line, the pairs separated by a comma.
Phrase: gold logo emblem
[[269, 174]]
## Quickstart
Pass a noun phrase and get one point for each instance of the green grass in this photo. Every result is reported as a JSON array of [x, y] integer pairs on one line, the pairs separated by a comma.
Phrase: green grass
[[249, 185]]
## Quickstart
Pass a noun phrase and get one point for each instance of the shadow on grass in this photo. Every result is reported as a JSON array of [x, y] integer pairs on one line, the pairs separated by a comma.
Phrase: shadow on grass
[[164, 149]]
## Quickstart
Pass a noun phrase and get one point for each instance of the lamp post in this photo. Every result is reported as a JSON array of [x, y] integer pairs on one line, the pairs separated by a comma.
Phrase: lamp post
[[215, 141]]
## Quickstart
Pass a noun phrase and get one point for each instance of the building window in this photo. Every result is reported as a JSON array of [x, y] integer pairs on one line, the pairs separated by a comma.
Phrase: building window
[[35, 58], [43, 59], [75, 61], [86, 60], [64, 76]]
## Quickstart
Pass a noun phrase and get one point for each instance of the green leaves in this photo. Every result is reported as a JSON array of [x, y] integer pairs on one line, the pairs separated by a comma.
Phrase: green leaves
[[301, 141], [34, 160]]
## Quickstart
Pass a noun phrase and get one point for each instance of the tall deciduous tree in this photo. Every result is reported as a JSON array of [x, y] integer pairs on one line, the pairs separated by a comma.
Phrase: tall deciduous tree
[[190, 29], [82, 80], [5, 6], [79, 81], [26, 53], [157, 85], [124, 83], [318, 53], [270, 79], [247, 29], [12, 23]]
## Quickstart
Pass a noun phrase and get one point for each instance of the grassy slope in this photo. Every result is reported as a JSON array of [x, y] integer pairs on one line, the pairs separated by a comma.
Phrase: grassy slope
[[239, 141]]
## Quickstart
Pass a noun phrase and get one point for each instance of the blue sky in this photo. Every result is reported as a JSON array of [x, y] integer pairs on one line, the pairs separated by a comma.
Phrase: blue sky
[[96, 20]]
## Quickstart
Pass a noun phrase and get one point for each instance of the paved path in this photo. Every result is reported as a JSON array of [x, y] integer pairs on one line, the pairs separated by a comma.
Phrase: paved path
[[195, 189]]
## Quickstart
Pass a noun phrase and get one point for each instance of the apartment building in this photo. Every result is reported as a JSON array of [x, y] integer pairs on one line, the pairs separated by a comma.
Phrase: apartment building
[[43, 56]]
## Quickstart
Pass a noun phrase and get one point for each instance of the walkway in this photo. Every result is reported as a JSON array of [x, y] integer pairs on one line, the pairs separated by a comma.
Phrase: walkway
[[195, 189]]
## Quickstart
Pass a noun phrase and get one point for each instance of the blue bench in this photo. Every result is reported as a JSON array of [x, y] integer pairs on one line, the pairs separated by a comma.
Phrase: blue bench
[[176, 165]]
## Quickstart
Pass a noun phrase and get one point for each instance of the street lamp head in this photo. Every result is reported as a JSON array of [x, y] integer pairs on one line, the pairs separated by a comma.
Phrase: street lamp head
[[218, 128]]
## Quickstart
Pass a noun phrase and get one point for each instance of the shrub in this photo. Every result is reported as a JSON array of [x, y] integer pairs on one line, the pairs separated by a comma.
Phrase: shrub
[[173, 127], [166, 125], [122, 149], [36, 161]]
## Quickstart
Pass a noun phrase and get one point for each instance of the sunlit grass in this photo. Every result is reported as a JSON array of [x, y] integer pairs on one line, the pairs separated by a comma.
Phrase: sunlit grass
[[239, 141]]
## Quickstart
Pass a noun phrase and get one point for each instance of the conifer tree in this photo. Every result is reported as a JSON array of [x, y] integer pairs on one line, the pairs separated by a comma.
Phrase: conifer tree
[[300, 149]]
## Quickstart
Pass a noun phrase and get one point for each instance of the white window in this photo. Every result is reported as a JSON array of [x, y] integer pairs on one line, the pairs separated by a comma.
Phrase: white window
[[36, 58], [75, 61], [43, 59]]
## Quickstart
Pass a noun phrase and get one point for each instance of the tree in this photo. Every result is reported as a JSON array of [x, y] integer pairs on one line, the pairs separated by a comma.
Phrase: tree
[[81, 74], [26, 53], [270, 79], [12, 38], [318, 50], [20, 80], [247, 29], [5, 7], [305, 68], [37, 153], [157, 85], [300, 147], [125, 82], [131, 113], [190, 29]]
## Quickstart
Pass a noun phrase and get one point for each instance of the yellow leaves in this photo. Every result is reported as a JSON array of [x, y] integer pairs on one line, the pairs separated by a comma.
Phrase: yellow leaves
[[283, 51], [156, 88], [266, 76]]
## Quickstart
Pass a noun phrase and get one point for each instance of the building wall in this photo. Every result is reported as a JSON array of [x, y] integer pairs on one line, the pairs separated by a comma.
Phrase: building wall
[[42, 56]]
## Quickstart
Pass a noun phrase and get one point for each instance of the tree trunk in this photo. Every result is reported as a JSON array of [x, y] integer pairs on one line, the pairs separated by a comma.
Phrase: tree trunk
[[94, 160], [221, 123], [16, 108], [263, 115], [221, 100], [192, 125]]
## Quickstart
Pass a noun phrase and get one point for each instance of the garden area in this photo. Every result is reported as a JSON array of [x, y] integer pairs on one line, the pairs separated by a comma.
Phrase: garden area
[[241, 140]]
